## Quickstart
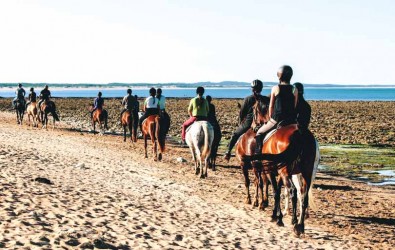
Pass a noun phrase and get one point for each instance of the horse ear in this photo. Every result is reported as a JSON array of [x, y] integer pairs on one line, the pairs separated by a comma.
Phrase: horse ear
[[239, 105]]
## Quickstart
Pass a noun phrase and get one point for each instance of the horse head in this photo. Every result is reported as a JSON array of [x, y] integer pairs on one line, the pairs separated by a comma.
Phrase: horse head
[[260, 110]]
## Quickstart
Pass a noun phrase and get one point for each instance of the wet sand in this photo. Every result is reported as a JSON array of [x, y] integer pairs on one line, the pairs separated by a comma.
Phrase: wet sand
[[103, 194]]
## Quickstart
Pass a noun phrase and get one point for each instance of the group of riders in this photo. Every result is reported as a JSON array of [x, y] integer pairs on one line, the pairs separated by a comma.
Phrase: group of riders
[[286, 104], [20, 93]]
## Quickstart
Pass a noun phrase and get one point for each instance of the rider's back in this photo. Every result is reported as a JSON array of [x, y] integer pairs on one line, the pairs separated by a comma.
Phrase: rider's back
[[284, 107]]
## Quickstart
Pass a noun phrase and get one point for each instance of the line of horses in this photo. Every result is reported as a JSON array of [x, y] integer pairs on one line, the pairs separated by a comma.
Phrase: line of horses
[[35, 113], [289, 158]]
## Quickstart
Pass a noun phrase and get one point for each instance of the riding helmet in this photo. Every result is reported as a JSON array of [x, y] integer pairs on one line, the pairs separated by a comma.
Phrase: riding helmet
[[31, 89], [257, 85], [159, 91], [200, 90], [99, 94], [129, 91], [208, 98], [152, 91]]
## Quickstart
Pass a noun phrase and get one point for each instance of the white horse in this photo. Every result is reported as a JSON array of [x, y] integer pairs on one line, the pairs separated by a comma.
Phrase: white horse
[[199, 137]]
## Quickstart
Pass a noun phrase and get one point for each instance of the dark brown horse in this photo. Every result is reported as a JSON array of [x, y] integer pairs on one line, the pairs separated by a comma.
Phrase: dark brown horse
[[151, 128], [245, 148], [288, 152], [20, 110], [48, 107], [99, 116], [127, 120]]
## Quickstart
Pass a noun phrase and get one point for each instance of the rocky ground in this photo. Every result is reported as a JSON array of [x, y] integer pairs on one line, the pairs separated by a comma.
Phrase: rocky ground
[[337, 122]]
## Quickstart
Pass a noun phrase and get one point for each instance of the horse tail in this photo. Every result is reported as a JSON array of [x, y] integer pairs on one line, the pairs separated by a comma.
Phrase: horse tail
[[316, 161], [53, 111], [206, 147], [157, 132]]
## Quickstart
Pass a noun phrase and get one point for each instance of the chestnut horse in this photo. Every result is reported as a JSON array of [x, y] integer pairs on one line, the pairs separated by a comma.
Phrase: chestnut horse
[[288, 152], [46, 108], [127, 120], [33, 112], [151, 128], [246, 147], [99, 116]]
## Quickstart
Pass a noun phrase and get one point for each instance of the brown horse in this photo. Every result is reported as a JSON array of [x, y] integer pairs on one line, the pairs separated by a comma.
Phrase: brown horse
[[246, 147], [288, 152], [20, 110], [33, 112], [46, 108], [151, 128], [99, 116], [127, 120]]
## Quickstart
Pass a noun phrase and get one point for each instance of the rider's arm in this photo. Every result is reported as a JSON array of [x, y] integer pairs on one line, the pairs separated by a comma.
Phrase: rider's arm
[[244, 109], [190, 107]]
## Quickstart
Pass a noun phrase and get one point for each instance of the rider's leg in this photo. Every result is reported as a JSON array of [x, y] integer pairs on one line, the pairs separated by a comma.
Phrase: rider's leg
[[185, 125], [244, 127], [261, 133]]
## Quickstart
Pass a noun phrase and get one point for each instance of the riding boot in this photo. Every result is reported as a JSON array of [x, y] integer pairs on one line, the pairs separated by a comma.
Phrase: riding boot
[[259, 144]]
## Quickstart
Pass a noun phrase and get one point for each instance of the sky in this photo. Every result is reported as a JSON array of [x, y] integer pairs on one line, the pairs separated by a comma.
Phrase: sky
[[97, 41]]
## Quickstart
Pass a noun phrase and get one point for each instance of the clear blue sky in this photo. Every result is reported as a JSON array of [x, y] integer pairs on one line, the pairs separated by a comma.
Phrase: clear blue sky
[[189, 41]]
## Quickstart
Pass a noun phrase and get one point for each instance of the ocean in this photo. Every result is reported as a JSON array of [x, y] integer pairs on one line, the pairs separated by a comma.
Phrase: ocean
[[333, 93]]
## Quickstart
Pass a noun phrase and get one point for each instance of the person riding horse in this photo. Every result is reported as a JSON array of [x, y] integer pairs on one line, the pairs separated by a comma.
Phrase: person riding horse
[[45, 94], [198, 111], [165, 118], [283, 100], [98, 103], [150, 107], [212, 119], [32, 97], [129, 103], [303, 109], [19, 96], [245, 115]]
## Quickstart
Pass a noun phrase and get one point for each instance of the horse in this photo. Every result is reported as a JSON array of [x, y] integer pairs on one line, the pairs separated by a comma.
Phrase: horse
[[214, 148], [245, 146], [46, 108], [151, 128], [20, 110], [99, 116], [294, 156], [199, 137], [127, 120], [32, 111]]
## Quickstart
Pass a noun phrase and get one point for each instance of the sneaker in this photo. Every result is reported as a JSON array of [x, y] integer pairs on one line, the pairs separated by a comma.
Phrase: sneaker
[[227, 157]]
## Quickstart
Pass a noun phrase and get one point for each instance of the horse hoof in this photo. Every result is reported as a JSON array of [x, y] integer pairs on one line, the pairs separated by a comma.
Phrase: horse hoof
[[265, 204], [298, 229], [255, 204], [248, 201], [294, 221], [160, 157], [202, 176], [261, 207], [280, 223]]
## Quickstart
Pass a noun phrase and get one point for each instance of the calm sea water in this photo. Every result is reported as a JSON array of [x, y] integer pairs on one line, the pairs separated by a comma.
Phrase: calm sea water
[[316, 93]]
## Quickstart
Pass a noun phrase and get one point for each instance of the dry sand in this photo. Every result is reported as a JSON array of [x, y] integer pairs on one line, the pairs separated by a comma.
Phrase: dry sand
[[103, 194]]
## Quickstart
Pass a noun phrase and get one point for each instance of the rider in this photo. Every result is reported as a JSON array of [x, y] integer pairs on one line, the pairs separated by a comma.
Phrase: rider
[[19, 95], [211, 116], [162, 105], [150, 107], [97, 103], [198, 111], [45, 94], [32, 97], [283, 100], [303, 109], [128, 102], [245, 115]]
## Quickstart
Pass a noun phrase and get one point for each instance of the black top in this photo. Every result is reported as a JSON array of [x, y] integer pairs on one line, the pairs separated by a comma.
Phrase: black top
[[303, 113], [284, 106], [45, 94], [247, 107], [211, 116], [33, 97]]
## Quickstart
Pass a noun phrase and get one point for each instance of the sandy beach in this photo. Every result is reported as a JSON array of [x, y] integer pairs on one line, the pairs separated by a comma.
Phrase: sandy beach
[[68, 189]]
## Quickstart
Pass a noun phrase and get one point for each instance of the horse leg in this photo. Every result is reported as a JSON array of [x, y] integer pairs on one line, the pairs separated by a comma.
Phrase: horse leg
[[53, 124], [124, 133], [299, 227], [244, 167], [292, 191], [277, 215], [265, 191], [256, 184], [145, 146]]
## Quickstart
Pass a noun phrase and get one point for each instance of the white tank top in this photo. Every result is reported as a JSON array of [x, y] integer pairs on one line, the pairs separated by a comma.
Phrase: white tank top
[[149, 102]]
